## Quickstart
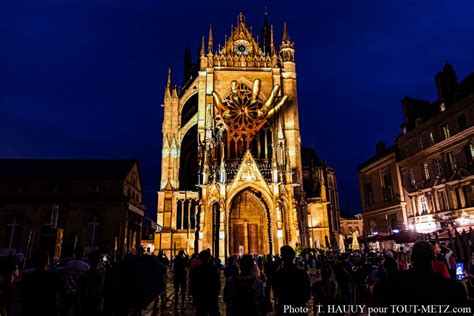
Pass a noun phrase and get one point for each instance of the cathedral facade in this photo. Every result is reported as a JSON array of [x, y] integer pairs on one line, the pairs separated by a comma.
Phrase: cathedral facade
[[231, 177]]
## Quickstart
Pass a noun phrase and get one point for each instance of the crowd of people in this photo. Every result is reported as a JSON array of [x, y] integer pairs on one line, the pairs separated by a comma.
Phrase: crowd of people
[[81, 286], [424, 275], [303, 283]]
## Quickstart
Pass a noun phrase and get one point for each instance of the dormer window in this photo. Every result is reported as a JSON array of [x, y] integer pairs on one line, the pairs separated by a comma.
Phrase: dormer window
[[418, 122], [445, 130], [420, 144], [432, 138]]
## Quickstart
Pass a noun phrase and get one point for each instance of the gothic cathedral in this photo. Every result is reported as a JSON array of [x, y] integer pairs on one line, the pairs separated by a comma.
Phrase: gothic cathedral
[[231, 177]]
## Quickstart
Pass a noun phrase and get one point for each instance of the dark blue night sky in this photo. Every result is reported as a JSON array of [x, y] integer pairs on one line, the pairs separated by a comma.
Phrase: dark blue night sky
[[85, 79]]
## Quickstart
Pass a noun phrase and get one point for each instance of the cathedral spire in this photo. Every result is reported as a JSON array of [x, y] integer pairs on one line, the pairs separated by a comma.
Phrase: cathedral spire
[[168, 84], [203, 47], [287, 48], [272, 44], [225, 44], [265, 34], [210, 43], [286, 37]]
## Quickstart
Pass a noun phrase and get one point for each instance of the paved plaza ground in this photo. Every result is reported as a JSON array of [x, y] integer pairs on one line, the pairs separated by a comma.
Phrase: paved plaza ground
[[189, 309]]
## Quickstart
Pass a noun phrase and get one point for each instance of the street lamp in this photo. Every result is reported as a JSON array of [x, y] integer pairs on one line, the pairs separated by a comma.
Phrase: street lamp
[[159, 229]]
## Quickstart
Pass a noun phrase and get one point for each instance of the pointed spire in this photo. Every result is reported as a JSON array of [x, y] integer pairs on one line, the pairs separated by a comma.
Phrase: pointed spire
[[241, 20], [225, 44], [203, 49], [287, 48], [265, 34], [286, 37], [168, 85], [188, 66], [174, 93], [272, 44], [210, 43]]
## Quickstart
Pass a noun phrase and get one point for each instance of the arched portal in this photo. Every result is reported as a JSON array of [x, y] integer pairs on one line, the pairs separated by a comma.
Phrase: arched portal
[[249, 228]]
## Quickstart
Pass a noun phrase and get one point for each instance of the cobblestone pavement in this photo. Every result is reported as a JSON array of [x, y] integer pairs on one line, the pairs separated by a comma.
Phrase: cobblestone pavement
[[188, 309]]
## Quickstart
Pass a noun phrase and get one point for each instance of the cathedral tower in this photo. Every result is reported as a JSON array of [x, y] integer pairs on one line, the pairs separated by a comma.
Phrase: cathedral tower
[[231, 174]]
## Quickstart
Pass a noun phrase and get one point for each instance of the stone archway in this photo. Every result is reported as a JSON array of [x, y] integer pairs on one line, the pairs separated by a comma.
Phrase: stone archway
[[249, 227]]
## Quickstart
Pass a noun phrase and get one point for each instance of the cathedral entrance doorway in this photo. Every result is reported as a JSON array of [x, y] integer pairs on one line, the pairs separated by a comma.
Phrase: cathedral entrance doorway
[[248, 224]]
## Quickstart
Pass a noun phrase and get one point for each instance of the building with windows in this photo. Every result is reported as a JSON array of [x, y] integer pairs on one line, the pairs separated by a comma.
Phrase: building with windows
[[231, 177], [352, 224], [55, 204], [322, 198], [383, 201], [436, 154], [434, 157]]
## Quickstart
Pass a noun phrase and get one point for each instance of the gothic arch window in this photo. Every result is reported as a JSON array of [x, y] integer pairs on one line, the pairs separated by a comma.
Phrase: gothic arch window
[[186, 214], [262, 143], [192, 214], [179, 214]]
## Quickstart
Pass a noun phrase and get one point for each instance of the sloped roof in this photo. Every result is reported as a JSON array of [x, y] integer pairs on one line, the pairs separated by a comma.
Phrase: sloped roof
[[66, 168]]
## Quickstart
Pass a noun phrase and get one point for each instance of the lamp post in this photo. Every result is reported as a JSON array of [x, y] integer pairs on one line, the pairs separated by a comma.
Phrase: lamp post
[[159, 229]]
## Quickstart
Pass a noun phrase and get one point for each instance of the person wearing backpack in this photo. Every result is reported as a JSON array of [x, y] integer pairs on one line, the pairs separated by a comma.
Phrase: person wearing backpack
[[243, 293]]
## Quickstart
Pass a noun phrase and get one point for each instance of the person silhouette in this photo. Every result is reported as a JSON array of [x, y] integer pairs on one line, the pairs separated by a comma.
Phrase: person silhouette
[[422, 286], [291, 285]]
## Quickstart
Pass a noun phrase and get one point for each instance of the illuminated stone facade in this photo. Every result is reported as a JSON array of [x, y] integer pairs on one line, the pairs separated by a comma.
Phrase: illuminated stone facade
[[231, 162], [322, 200]]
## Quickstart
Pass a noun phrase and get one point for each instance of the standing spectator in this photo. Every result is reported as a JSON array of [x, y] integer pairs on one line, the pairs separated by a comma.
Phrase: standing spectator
[[205, 285], [179, 277], [165, 261], [39, 288], [269, 268], [382, 286], [92, 287], [440, 264], [422, 286], [243, 293], [8, 275], [402, 261], [325, 292], [73, 272], [291, 285], [231, 269], [193, 262]]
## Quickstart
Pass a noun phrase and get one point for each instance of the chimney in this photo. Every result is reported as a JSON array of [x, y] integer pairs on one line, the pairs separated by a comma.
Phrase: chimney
[[380, 148]]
